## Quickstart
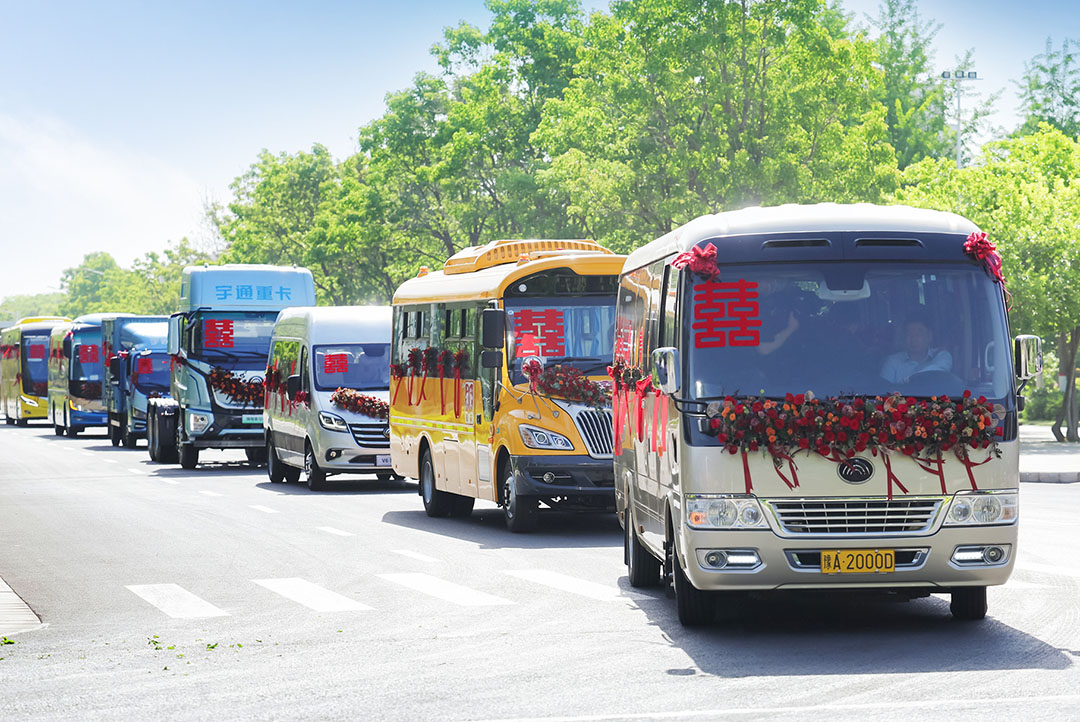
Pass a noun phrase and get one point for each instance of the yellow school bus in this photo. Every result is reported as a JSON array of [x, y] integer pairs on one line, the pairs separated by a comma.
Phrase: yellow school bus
[[24, 368], [498, 382]]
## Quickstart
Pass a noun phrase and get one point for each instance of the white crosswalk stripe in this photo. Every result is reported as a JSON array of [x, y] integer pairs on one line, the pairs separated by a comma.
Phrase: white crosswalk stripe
[[176, 601], [592, 590], [444, 590], [332, 530], [311, 595], [210, 493], [414, 555], [264, 509]]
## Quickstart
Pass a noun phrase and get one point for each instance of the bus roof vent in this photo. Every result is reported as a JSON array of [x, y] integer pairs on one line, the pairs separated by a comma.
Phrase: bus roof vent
[[797, 243], [888, 242], [496, 253]]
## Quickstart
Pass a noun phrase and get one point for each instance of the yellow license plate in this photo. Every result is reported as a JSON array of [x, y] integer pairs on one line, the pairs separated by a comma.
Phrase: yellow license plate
[[858, 561]]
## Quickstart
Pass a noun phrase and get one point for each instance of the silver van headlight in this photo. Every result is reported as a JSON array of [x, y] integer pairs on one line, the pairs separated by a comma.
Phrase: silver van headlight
[[332, 422], [977, 508], [724, 512]]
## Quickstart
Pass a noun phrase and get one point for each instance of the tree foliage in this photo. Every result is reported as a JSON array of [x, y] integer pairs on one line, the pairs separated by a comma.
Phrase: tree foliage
[[1050, 89]]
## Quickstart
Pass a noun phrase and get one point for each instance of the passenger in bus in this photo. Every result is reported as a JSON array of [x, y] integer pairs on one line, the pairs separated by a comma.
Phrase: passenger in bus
[[781, 306], [918, 355]]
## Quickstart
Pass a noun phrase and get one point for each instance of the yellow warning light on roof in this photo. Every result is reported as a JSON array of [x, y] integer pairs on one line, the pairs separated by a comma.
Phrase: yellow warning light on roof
[[496, 253]]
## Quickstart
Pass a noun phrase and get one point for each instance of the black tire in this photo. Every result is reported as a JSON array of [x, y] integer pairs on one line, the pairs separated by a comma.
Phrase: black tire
[[73, 431], [292, 474], [9, 421], [461, 506], [274, 468], [968, 603], [383, 477], [22, 422], [256, 457], [642, 568], [114, 434], [522, 513], [58, 430], [151, 435], [127, 436], [694, 606], [187, 454], [313, 473], [167, 439], [436, 503]]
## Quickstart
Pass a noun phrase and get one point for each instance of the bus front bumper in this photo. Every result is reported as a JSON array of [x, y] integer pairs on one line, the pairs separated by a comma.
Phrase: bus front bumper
[[928, 561], [580, 481]]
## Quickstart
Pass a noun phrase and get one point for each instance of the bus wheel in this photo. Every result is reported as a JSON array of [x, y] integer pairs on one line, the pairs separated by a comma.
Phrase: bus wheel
[[274, 468], [694, 606], [642, 568], [313, 474], [57, 429], [462, 506], [127, 435], [968, 603], [73, 431], [9, 421], [22, 422], [522, 513], [114, 434], [256, 457], [436, 503]]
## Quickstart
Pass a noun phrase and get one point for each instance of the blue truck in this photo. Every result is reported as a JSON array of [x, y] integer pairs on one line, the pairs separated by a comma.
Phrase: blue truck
[[136, 370], [218, 343]]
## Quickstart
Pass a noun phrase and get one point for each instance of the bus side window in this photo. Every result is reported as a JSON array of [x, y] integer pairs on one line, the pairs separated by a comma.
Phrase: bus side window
[[305, 373], [669, 325], [654, 280]]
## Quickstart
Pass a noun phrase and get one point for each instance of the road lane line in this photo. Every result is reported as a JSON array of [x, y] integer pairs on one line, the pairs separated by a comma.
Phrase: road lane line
[[264, 509], [170, 481], [444, 590], [414, 555], [176, 601], [311, 595], [140, 472], [332, 530], [565, 583], [110, 461], [210, 493]]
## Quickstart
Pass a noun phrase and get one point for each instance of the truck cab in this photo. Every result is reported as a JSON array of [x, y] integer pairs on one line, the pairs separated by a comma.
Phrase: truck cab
[[136, 370], [218, 344]]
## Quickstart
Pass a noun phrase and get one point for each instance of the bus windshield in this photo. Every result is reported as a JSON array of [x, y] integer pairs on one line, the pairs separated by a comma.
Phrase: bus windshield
[[35, 363], [87, 366], [232, 337], [143, 333], [576, 332], [844, 329], [150, 372], [359, 366]]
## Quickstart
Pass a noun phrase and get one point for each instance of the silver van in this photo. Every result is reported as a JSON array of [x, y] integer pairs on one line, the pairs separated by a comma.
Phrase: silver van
[[327, 394]]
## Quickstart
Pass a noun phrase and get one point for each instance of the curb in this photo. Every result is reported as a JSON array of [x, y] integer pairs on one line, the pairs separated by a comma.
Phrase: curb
[[1049, 477], [15, 614]]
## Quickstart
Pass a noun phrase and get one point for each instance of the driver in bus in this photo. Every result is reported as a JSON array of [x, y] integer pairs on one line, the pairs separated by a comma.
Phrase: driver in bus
[[918, 355]]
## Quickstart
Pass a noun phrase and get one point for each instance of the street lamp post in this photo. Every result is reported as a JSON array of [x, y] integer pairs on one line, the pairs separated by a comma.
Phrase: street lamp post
[[955, 78]]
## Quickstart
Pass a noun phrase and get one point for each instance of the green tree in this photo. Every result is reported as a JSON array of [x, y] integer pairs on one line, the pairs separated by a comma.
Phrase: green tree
[[1025, 193], [39, 304], [681, 108], [86, 285], [1050, 90]]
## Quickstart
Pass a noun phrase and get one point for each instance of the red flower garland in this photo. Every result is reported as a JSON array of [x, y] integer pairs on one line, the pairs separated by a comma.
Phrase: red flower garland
[[359, 403], [245, 393], [564, 382], [839, 429]]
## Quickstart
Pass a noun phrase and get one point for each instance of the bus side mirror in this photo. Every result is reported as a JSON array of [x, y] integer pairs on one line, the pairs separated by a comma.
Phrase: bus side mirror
[[1027, 356], [666, 374], [493, 328], [176, 327], [67, 346], [116, 369], [491, 359], [292, 386]]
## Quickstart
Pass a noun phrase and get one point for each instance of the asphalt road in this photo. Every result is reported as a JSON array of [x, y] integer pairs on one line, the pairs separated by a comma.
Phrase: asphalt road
[[214, 594]]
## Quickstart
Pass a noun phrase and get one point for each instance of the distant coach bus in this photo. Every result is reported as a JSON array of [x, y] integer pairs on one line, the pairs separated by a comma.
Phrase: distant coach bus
[[24, 369]]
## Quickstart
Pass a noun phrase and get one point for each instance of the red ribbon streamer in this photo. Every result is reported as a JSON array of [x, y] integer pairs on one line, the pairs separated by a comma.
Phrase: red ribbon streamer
[[457, 393], [891, 476], [746, 473], [969, 465], [792, 483], [935, 467], [643, 387]]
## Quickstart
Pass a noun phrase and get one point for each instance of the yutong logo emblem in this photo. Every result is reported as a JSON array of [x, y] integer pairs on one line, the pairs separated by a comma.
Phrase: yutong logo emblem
[[855, 471]]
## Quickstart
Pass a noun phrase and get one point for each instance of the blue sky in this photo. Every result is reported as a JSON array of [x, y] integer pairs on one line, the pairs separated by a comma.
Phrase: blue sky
[[119, 120]]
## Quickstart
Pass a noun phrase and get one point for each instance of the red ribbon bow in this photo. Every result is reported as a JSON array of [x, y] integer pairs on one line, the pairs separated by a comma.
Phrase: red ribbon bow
[[980, 248], [701, 261]]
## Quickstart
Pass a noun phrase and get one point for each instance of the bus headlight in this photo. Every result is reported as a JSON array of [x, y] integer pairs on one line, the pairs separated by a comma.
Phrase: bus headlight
[[333, 422], [724, 512], [976, 508], [198, 423], [536, 438]]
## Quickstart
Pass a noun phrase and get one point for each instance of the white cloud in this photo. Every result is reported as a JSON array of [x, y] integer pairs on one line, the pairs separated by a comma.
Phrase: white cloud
[[63, 195]]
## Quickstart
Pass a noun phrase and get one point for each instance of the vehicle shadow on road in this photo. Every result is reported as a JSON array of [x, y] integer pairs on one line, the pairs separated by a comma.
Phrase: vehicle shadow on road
[[487, 527], [800, 633], [351, 485]]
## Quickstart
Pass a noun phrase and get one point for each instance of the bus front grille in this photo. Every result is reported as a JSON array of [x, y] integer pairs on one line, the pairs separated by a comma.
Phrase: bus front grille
[[595, 428], [856, 516], [371, 436]]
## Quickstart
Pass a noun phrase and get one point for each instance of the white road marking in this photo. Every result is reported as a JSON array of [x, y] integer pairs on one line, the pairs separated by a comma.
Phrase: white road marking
[[332, 530], [140, 472], [170, 481], [444, 590], [210, 493], [414, 555], [110, 461], [565, 583], [176, 601], [264, 509], [84, 451], [311, 595]]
